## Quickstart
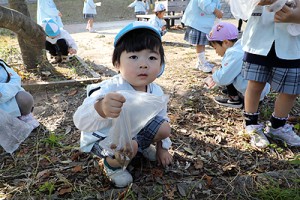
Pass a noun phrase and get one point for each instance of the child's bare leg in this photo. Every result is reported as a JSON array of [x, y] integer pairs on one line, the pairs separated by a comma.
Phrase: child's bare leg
[[202, 63], [163, 156], [163, 132], [252, 96], [200, 48], [91, 23], [283, 105]]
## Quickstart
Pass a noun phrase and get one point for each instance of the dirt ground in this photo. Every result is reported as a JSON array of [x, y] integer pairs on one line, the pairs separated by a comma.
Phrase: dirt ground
[[212, 157]]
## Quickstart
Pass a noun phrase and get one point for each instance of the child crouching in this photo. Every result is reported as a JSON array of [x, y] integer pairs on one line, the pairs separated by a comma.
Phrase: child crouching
[[139, 58]]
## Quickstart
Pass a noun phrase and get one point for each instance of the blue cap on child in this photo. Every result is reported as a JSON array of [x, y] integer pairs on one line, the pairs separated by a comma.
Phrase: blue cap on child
[[223, 31], [51, 27], [138, 25]]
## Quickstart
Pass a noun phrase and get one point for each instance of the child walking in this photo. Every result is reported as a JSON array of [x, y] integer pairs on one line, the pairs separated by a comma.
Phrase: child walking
[[157, 21], [224, 39], [140, 7], [14, 100], [199, 17], [271, 55], [89, 12], [59, 42], [139, 57]]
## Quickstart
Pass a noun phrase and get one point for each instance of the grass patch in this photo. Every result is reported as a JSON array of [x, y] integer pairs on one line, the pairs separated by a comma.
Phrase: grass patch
[[275, 192]]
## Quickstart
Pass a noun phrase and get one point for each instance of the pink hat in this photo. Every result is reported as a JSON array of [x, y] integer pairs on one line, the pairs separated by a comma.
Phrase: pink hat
[[223, 31]]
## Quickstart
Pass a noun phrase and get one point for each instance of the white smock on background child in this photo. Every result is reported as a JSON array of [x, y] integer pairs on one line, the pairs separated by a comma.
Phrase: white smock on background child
[[157, 20], [47, 9], [14, 100], [139, 7]]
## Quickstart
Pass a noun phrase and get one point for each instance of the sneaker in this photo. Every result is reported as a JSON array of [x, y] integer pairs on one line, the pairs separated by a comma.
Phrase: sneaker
[[150, 153], [92, 31], [258, 138], [119, 177], [29, 119], [206, 68], [284, 133], [229, 102]]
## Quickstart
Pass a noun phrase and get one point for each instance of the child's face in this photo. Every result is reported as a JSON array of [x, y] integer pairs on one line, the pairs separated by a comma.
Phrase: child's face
[[160, 15], [220, 49], [139, 68]]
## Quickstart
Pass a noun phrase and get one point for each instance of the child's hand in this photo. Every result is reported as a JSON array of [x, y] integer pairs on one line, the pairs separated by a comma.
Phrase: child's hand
[[288, 15], [218, 13], [209, 82], [163, 156], [72, 51], [110, 105], [163, 28], [215, 68]]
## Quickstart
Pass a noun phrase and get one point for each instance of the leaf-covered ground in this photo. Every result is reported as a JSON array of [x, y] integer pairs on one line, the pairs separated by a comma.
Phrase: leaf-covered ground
[[212, 156]]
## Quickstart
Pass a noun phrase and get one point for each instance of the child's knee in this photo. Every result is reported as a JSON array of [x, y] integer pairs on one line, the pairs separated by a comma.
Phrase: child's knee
[[163, 132], [24, 98], [25, 102], [134, 147]]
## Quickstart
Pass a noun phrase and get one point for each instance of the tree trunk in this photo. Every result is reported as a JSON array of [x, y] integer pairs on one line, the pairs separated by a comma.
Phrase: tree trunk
[[31, 36]]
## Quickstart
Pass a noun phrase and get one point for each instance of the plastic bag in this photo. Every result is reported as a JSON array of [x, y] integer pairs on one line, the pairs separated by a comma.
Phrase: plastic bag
[[137, 111], [12, 132], [242, 9]]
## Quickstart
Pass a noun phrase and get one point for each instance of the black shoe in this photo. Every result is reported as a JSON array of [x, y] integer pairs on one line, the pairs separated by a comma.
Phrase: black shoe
[[225, 91], [227, 101], [57, 59]]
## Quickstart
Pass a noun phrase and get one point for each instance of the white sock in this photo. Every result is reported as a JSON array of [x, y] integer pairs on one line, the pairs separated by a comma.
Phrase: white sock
[[201, 58]]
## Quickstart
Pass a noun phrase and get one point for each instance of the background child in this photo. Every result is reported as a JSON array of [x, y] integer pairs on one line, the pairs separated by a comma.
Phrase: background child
[[139, 58], [147, 6], [271, 55], [59, 42], [47, 9], [14, 100], [199, 17], [89, 12], [157, 21], [140, 8], [224, 39]]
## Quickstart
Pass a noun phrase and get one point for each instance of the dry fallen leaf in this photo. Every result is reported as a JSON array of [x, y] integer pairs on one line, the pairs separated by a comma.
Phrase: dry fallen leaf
[[77, 169], [72, 92], [64, 191], [199, 164]]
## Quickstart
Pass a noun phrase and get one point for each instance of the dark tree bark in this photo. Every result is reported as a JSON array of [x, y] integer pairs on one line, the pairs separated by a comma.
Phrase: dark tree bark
[[31, 36]]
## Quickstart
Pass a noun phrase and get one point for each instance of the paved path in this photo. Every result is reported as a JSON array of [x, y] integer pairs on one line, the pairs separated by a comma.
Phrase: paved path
[[100, 27]]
